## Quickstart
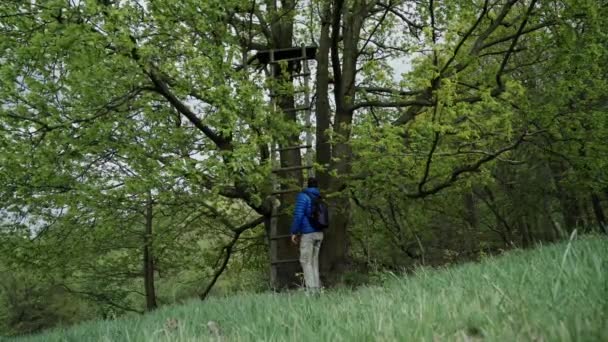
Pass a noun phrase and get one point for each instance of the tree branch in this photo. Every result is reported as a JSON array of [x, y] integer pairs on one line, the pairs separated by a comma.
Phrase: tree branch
[[456, 173], [100, 297], [505, 60], [497, 22], [374, 31], [229, 249], [163, 89], [335, 53], [465, 37], [391, 104], [489, 203], [389, 91], [401, 16], [507, 38], [429, 159]]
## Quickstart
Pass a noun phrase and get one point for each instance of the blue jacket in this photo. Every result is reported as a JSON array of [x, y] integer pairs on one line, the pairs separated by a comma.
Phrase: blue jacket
[[302, 211]]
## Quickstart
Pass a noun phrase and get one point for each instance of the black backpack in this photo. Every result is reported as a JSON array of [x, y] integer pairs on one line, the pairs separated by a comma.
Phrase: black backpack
[[320, 213]]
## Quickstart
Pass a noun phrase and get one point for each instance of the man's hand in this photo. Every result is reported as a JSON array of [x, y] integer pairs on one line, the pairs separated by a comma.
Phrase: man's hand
[[295, 239]]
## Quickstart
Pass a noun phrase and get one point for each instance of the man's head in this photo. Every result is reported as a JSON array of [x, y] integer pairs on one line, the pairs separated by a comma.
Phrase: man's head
[[313, 183]]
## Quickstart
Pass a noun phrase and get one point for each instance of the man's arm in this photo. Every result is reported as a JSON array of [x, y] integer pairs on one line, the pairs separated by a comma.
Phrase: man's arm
[[298, 214]]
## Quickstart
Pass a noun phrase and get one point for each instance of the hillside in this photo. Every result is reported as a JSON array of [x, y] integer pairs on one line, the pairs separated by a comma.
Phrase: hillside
[[552, 293]]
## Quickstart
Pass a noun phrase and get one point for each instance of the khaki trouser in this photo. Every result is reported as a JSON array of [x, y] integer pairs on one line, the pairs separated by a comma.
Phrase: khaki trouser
[[309, 258]]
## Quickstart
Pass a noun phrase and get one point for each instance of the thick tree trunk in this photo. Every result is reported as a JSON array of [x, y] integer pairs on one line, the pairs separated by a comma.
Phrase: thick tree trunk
[[506, 234], [472, 220], [149, 258], [570, 209], [527, 233], [554, 233], [599, 213], [569, 205], [334, 248], [322, 109], [334, 253]]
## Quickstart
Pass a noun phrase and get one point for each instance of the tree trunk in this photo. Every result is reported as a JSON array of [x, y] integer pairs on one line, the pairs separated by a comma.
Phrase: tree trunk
[[599, 213], [472, 228], [322, 109], [334, 253], [149, 258], [570, 208]]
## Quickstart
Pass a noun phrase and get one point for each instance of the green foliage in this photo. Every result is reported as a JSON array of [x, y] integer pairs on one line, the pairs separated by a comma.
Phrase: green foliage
[[30, 303], [529, 152], [87, 135]]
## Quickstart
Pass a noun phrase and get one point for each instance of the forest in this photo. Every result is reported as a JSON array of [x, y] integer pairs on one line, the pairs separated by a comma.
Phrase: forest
[[151, 151]]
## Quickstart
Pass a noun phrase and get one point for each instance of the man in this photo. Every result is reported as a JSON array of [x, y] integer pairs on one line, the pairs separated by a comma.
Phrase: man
[[310, 238]]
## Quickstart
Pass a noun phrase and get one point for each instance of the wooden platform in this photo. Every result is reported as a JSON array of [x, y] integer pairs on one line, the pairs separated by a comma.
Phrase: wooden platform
[[295, 53]]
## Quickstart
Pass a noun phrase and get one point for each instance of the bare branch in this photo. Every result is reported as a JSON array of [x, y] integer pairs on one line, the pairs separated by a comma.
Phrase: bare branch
[[502, 52], [163, 89], [494, 208], [509, 37], [437, 80], [465, 37], [457, 172], [390, 91], [386, 47], [429, 159], [505, 60], [497, 22], [380, 21], [263, 24], [228, 252], [99, 297], [391, 104], [401, 16]]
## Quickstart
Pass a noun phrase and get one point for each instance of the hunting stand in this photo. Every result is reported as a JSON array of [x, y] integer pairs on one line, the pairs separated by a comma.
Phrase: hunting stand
[[284, 261]]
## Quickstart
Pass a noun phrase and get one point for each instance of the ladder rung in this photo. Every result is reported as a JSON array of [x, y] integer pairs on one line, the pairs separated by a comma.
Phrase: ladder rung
[[296, 109], [296, 91], [288, 191], [279, 237], [292, 168], [288, 60], [285, 261], [291, 148]]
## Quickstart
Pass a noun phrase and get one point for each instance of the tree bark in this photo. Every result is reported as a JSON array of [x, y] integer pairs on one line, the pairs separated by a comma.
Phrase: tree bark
[[334, 253], [569, 205], [472, 222], [599, 213], [322, 108], [149, 258]]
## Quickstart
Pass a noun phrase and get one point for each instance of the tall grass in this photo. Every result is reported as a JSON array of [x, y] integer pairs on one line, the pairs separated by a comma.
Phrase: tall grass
[[553, 293]]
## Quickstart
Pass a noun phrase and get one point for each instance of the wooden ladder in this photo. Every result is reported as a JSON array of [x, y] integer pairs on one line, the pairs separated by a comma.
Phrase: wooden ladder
[[274, 237]]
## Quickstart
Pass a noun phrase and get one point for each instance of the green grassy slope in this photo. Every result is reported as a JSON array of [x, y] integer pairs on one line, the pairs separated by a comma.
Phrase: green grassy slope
[[553, 293]]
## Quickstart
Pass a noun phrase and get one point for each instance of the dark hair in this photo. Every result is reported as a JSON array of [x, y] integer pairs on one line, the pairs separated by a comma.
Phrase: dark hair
[[313, 183]]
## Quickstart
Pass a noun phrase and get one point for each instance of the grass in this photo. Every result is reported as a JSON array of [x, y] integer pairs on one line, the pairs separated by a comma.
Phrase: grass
[[553, 293]]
